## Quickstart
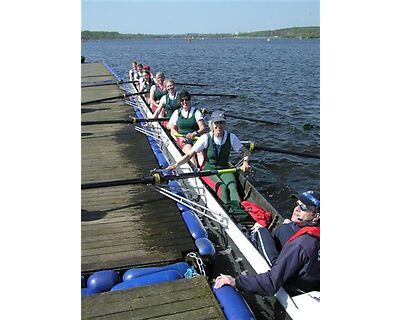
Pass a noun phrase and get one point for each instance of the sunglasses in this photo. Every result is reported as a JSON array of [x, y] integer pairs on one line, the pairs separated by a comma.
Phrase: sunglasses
[[184, 99], [303, 207]]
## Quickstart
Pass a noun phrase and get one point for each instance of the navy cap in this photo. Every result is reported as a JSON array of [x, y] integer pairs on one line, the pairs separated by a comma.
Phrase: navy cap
[[310, 198]]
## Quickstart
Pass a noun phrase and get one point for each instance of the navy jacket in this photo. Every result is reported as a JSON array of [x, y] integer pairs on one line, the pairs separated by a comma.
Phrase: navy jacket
[[297, 266], [283, 233]]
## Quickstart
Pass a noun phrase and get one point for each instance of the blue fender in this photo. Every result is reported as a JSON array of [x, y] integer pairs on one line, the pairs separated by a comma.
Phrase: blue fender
[[233, 304], [182, 207], [88, 292], [162, 161], [130, 274], [103, 280], [194, 225], [83, 281], [175, 187], [205, 247], [152, 278]]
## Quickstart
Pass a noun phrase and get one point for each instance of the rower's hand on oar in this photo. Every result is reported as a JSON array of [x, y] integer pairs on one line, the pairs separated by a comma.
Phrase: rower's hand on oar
[[170, 167], [191, 135], [245, 167]]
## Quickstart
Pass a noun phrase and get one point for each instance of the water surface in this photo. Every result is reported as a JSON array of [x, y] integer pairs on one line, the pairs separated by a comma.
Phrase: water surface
[[278, 80]]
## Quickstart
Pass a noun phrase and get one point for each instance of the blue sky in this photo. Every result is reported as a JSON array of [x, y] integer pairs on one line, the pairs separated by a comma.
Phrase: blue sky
[[190, 16]]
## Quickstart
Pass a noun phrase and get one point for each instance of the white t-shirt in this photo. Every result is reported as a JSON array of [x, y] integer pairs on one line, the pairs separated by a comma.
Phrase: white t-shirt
[[137, 76], [174, 118], [202, 142], [163, 100]]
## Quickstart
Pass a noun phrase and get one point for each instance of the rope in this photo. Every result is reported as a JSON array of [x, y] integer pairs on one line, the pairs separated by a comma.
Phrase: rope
[[198, 263], [191, 273]]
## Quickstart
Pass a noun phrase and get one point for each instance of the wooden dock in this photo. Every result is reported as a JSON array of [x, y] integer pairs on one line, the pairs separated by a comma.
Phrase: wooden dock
[[181, 299], [130, 226]]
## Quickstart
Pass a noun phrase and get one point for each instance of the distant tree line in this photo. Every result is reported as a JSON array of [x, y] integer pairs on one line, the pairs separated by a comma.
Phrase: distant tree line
[[295, 32]]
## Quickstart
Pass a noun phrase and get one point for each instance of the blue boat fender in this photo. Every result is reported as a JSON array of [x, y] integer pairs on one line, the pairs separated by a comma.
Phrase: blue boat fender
[[205, 247], [182, 207], [83, 281], [194, 225], [103, 280], [233, 304], [175, 187], [87, 292], [130, 274], [162, 161], [152, 278]]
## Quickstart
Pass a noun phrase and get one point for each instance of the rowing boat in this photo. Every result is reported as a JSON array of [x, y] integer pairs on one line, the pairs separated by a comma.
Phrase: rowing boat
[[230, 237]]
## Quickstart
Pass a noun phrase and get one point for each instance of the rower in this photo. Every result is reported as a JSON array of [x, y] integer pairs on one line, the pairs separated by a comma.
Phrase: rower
[[297, 266], [217, 146], [133, 71], [168, 102], [145, 83], [137, 76], [157, 91], [189, 122]]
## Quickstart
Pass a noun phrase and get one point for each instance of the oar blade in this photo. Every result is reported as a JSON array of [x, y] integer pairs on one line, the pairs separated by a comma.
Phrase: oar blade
[[294, 153]]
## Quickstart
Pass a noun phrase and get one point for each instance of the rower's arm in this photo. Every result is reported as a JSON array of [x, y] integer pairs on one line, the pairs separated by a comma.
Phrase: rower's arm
[[246, 154], [184, 159], [153, 95]]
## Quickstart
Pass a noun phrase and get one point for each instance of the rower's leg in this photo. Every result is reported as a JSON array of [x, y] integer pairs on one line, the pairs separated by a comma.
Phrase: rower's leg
[[266, 245], [219, 187], [230, 181]]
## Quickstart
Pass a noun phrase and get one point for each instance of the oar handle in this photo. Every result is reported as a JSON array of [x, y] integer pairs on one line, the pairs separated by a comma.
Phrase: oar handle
[[180, 135]]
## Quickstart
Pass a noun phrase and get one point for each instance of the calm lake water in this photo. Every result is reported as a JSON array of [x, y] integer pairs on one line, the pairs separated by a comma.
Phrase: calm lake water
[[278, 80]]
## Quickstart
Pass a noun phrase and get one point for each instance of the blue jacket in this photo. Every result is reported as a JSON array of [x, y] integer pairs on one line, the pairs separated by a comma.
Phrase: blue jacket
[[283, 233], [297, 266]]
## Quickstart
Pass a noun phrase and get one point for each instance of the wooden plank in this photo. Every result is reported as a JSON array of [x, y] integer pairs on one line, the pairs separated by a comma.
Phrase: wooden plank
[[172, 300]]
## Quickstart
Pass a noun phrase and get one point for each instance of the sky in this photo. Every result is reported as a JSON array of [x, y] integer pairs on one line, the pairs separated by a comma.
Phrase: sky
[[180, 17]]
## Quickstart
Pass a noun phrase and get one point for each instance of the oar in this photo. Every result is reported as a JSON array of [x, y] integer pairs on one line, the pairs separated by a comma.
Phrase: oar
[[130, 120], [155, 178], [253, 146], [180, 135], [108, 83], [122, 96], [229, 115], [192, 84], [215, 95], [136, 81]]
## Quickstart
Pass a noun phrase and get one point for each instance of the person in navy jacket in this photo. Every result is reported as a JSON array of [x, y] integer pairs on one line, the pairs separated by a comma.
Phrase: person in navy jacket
[[297, 266]]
